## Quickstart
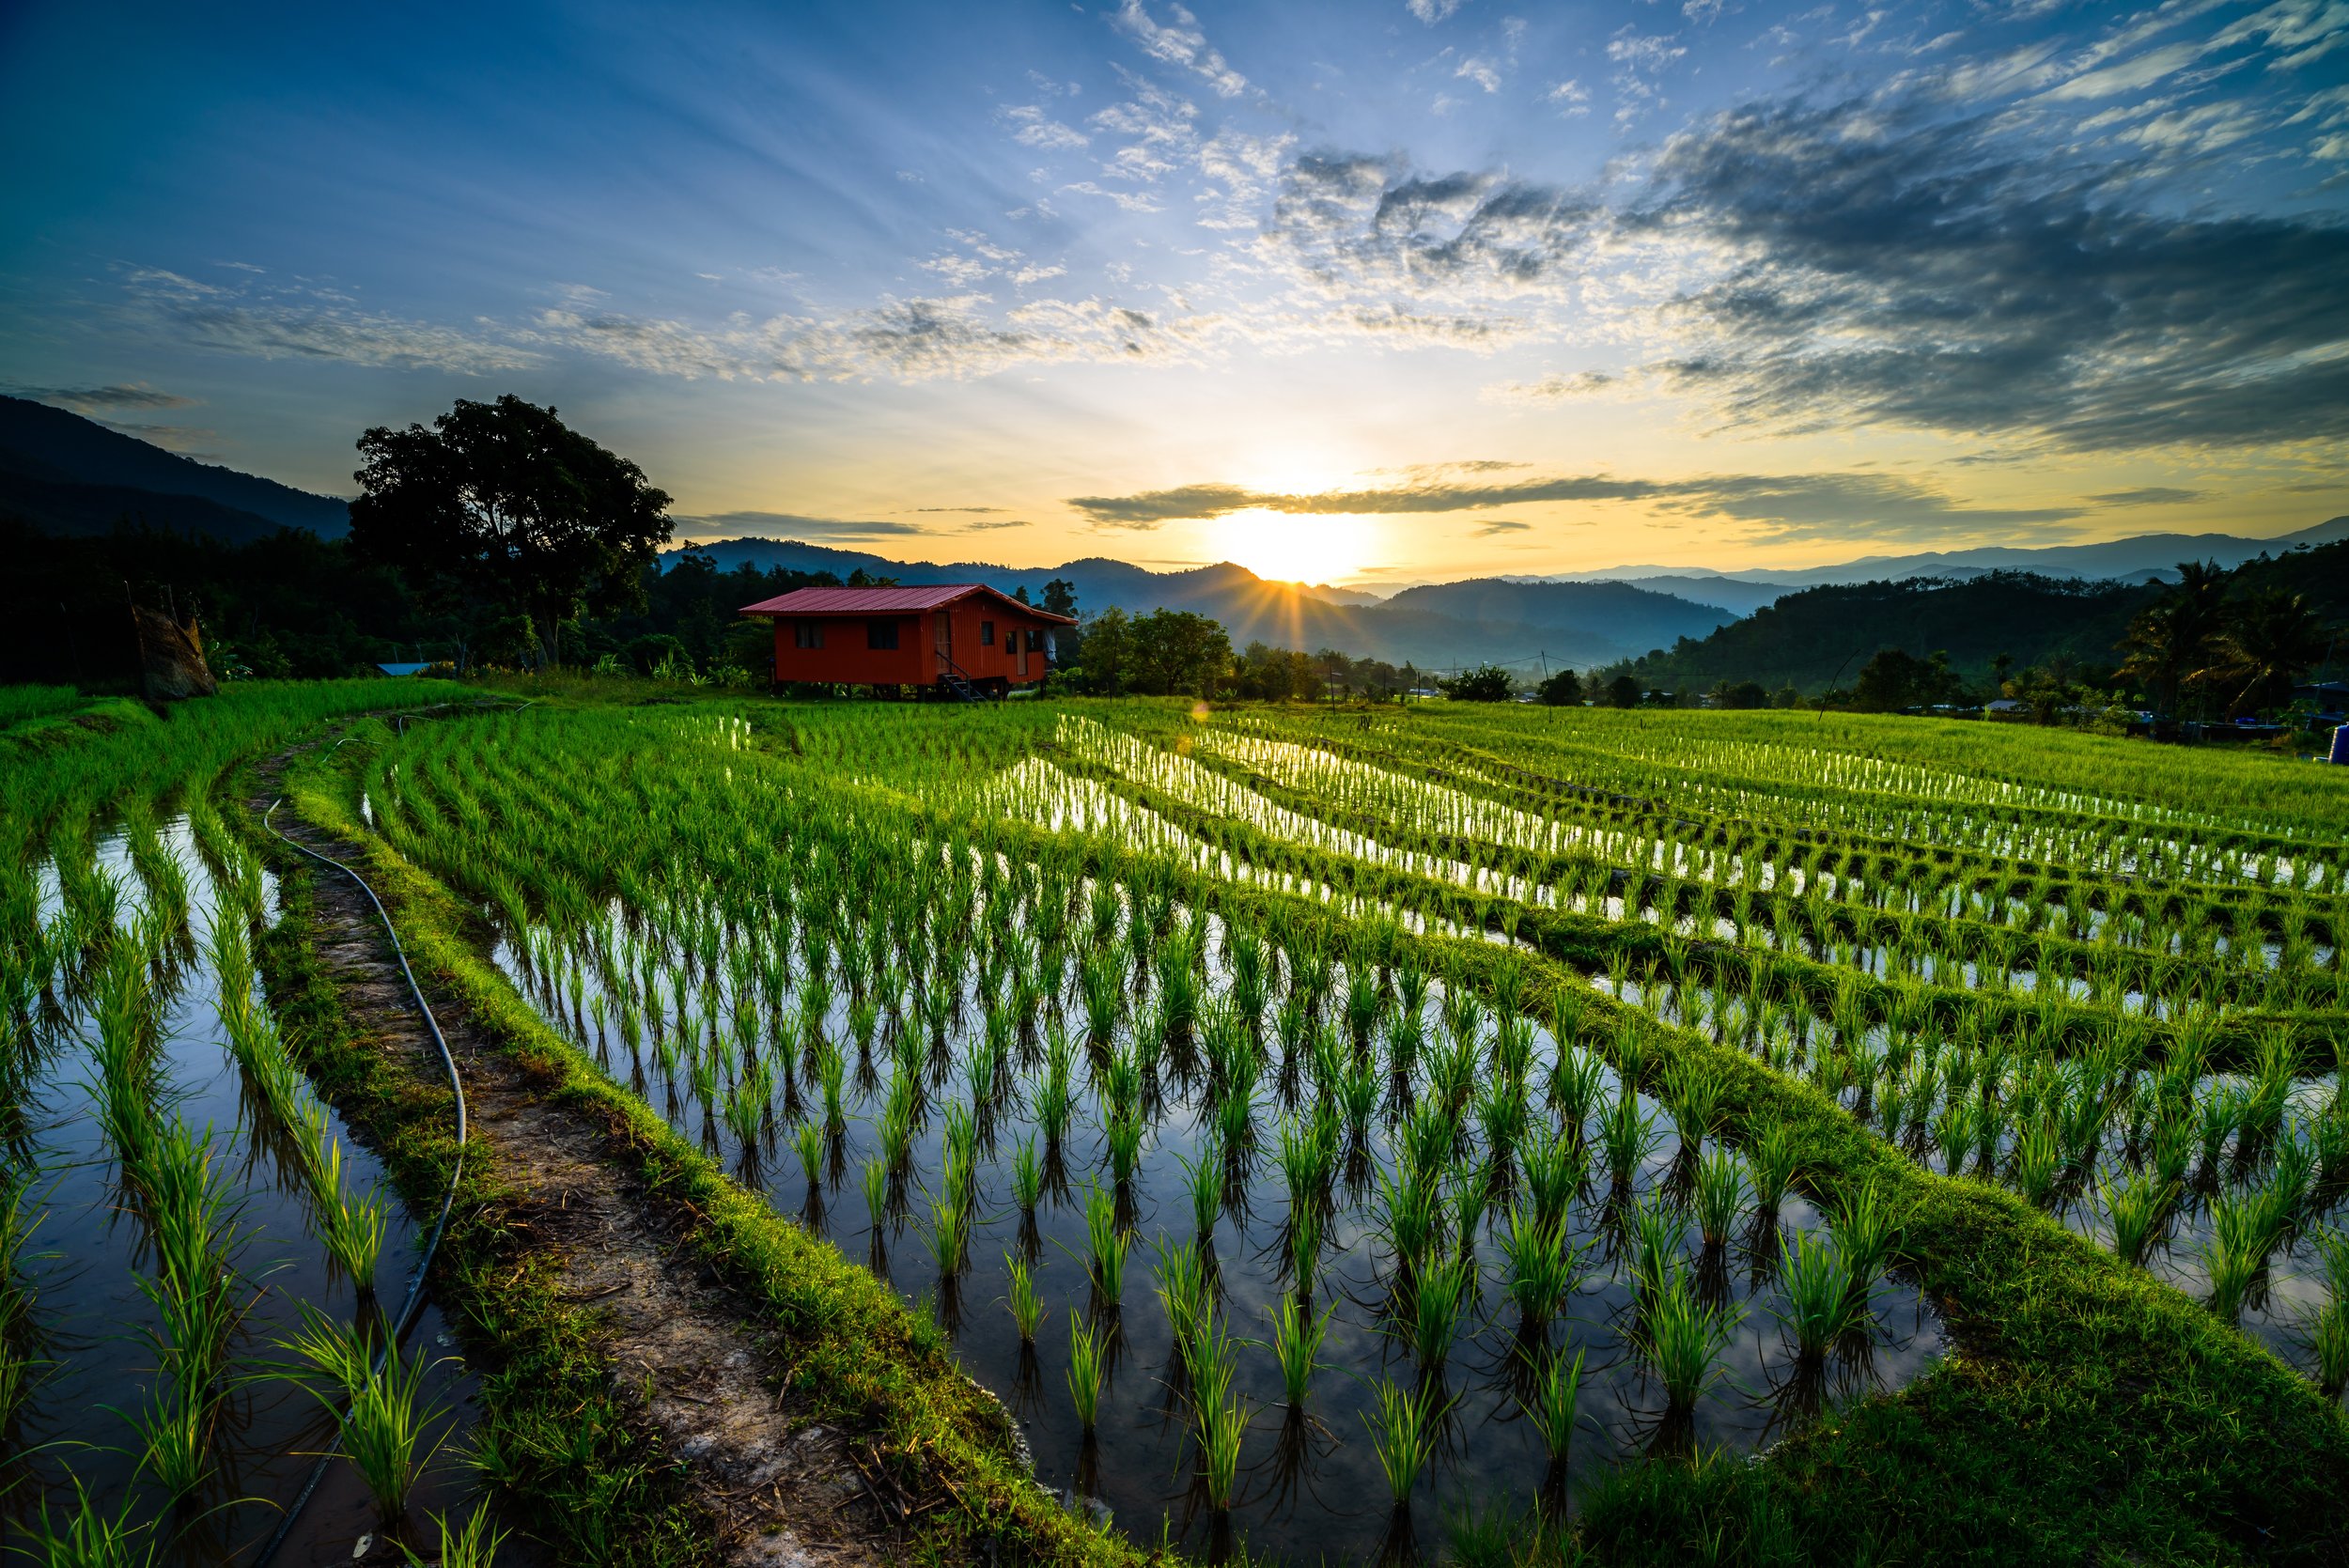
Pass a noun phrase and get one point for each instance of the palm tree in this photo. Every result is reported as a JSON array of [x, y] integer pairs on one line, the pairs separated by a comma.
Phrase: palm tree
[[2271, 637], [2169, 644]]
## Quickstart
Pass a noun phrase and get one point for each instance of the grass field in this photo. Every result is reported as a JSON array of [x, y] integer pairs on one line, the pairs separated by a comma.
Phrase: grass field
[[1739, 1136]]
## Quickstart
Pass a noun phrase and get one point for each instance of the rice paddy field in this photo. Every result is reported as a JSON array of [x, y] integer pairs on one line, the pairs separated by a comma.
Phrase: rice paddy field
[[1334, 1136]]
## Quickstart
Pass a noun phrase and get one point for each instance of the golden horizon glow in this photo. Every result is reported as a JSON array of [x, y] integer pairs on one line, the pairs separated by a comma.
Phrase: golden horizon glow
[[1286, 547]]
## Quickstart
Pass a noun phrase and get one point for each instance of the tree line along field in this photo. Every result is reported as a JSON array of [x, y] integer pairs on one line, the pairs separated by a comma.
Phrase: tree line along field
[[1525, 1134]]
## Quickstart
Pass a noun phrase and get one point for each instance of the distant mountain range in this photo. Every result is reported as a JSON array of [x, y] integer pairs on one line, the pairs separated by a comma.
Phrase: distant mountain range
[[1436, 627], [2139, 558], [1822, 635], [73, 476], [70, 475]]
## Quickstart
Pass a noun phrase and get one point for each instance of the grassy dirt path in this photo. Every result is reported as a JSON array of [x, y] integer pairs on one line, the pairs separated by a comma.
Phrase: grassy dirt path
[[688, 1361]]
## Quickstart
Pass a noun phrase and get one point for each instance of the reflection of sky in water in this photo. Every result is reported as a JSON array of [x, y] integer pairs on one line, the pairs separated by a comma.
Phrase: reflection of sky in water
[[87, 1257], [1305, 1490]]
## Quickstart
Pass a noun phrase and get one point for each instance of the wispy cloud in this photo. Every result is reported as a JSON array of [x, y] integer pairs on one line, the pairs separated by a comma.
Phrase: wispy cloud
[[2150, 495], [301, 320], [1180, 42], [1032, 127], [1778, 507], [791, 525], [95, 399]]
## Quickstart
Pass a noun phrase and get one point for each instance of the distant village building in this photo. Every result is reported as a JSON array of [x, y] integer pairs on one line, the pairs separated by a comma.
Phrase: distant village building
[[961, 639]]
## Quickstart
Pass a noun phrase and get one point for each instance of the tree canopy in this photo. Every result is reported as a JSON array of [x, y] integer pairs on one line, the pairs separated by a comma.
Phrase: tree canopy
[[503, 509], [1486, 683]]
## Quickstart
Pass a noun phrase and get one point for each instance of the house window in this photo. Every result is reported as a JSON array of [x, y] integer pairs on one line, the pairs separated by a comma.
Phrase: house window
[[807, 634], [987, 635], [881, 634], [1036, 639]]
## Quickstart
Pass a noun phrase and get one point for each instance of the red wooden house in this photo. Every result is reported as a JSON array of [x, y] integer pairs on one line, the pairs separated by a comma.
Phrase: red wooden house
[[962, 638]]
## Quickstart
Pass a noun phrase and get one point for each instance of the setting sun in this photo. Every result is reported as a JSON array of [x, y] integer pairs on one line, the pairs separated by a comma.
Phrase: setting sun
[[1288, 548]]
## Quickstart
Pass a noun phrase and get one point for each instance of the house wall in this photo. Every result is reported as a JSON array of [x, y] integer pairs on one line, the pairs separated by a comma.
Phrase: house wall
[[845, 659], [1001, 661]]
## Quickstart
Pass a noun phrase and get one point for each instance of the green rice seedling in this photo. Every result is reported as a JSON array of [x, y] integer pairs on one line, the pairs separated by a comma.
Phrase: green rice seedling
[[1685, 1337], [1953, 1133], [746, 1106], [1820, 1305], [351, 1226], [1362, 1004], [2134, 1205], [473, 1544], [1693, 1093], [383, 1421], [1027, 1175], [1410, 1206], [1430, 1137], [1502, 1116], [1404, 1434], [1305, 1162], [1297, 1340], [385, 1429], [1205, 1184], [1631, 1052], [1222, 1428], [1720, 1189], [1358, 1096], [1626, 1136], [1471, 1192], [2329, 1338], [1551, 1402], [1183, 1291], [1235, 1122], [2231, 1266], [831, 1070], [1103, 985], [1304, 1249], [2244, 1231], [1027, 1308], [1772, 1167], [1539, 1263], [1055, 1097], [810, 1143], [1868, 1231], [875, 1182], [1106, 1246], [1124, 1135], [1086, 1353], [1553, 1169], [949, 1236], [91, 1538], [1438, 1296], [1656, 1235]]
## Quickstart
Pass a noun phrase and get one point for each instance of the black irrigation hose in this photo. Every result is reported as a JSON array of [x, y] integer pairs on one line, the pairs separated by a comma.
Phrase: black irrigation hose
[[415, 1285]]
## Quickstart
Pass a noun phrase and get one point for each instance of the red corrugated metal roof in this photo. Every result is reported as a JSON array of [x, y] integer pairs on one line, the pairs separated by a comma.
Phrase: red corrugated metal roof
[[884, 601]]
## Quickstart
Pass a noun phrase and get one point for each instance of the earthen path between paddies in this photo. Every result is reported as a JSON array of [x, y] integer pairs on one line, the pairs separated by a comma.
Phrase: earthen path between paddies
[[688, 1359]]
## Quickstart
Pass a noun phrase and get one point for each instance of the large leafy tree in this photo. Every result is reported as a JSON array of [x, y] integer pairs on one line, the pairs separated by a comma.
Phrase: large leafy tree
[[502, 508], [1486, 683]]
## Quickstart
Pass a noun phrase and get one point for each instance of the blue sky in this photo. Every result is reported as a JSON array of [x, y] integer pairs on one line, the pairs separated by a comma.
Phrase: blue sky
[[1369, 292]]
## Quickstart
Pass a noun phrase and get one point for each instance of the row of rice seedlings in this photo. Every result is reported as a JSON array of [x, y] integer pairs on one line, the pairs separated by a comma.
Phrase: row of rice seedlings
[[1455, 813], [351, 1225]]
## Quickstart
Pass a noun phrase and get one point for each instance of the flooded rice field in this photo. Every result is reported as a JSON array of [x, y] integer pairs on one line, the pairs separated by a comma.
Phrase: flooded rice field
[[984, 1146], [171, 1197]]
